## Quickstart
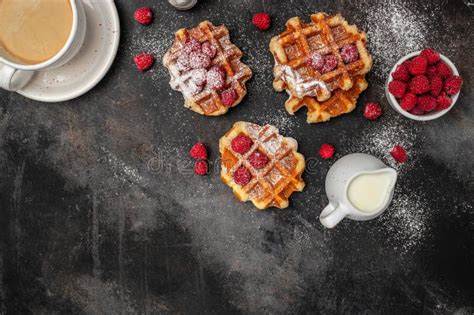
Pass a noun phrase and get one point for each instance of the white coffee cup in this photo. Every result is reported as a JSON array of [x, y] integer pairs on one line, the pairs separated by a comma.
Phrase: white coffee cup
[[14, 76], [339, 179]]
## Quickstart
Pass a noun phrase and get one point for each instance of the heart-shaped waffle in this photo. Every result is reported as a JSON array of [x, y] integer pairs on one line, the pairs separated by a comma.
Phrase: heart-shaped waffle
[[318, 60], [206, 68], [270, 162]]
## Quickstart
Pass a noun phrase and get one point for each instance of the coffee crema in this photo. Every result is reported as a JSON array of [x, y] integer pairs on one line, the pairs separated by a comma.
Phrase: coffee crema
[[33, 31]]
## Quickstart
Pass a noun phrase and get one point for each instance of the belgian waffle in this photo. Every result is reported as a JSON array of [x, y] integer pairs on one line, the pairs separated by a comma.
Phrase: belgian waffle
[[206, 100], [271, 185], [325, 36]]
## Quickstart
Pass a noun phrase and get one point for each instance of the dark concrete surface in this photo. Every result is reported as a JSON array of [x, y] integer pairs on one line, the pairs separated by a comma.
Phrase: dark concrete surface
[[100, 212]]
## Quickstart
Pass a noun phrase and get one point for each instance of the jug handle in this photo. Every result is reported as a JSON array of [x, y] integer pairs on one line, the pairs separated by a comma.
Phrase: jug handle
[[332, 215]]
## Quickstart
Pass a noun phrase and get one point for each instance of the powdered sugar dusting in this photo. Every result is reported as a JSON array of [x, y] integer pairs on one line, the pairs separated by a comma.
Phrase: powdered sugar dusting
[[394, 30]]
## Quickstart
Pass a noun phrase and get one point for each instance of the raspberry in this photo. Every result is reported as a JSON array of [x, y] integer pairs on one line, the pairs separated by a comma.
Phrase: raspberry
[[215, 78], [195, 89], [431, 71], [436, 85], [443, 101], [330, 62], [417, 111], [349, 53], [453, 84], [372, 111], [426, 103], [143, 15], [144, 61], [228, 97], [183, 63], [401, 73], [397, 88], [261, 21], [258, 160], [191, 45], [198, 60], [399, 154], [242, 176], [241, 144], [443, 70], [326, 151], [198, 151], [408, 102], [316, 61], [431, 55], [198, 76], [209, 49], [419, 84], [418, 65], [200, 167]]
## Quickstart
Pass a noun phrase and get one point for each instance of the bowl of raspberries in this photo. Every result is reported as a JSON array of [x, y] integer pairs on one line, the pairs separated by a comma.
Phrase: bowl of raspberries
[[423, 85]]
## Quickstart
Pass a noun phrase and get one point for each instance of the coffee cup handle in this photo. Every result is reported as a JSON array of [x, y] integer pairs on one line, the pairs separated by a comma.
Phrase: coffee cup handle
[[12, 79], [332, 215]]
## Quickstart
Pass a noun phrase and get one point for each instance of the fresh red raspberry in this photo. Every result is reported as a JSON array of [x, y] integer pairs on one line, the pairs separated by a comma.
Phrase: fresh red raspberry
[[431, 71], [418, 65], [209, 49], [258, 160], [201, 167], [326, 151], [431, 55], [144, 61], [195, 89], [399, 154], [401, 73], [443, 70], [183, 63], [330, 63], [453, 84], [198, 76], [349, 53], [242, 176], [419, 84], [397, 88], [228, 97], [191, 45], [215, 78], [199, 60], [408, 102], [261, 21], [372, 111], [316, 61], [241, 144], [436, 85], [426, 103], [443, 102], [198, 151], [417, 111], [143, 15]]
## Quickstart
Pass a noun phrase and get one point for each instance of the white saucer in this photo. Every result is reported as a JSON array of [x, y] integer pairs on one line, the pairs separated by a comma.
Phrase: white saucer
[[91, 63]]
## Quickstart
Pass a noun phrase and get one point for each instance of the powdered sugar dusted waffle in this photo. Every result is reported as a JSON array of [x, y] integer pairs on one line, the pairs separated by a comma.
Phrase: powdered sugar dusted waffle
[[315, 60], [260, 165], [205, 67]]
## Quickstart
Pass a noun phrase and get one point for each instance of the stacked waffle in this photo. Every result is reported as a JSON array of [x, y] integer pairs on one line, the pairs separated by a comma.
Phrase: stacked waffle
[[321, 65]]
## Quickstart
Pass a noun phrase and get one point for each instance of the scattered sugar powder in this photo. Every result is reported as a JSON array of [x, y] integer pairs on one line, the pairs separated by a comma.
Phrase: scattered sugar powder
[[394, 29], [406, 223]]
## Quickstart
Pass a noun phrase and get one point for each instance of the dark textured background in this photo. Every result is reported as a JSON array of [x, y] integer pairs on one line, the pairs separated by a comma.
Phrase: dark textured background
[[100, 212]]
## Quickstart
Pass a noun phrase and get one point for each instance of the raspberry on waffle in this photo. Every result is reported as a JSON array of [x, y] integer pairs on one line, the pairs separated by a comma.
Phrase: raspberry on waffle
[[342, 62], [203, 63], [266, 182]]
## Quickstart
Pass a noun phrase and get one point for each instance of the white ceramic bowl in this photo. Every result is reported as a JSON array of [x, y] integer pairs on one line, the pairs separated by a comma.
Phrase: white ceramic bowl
[[430, 116]]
